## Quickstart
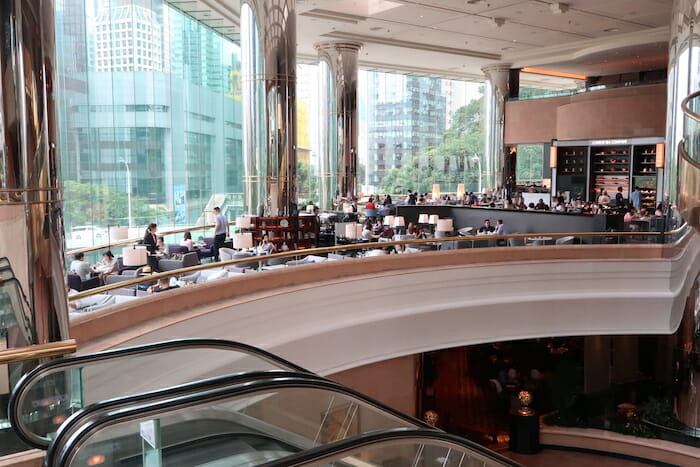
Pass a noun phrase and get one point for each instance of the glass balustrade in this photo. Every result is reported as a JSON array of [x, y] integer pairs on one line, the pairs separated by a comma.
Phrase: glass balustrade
[[52, 392]]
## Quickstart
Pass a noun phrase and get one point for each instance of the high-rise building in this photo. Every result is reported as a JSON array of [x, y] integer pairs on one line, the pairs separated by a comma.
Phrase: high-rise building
[[405, 114]]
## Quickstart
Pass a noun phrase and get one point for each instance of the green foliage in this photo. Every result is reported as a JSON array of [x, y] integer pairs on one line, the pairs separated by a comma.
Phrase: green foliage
[[461, 142], [99, 205], [660, 411], [307, 181], [530, 162]]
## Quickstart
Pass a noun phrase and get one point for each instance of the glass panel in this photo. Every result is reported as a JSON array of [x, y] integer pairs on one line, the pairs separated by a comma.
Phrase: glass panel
[[296, 418], [62, 391], [415, 453], [528, 170]]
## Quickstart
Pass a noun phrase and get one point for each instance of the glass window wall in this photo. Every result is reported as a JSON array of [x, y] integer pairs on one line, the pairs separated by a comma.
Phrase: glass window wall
[[149, 104]]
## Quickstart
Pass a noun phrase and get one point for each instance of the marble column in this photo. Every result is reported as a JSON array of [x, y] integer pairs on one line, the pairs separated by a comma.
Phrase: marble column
[[497, 91], [32, 274], [268, 43], [339, 126]]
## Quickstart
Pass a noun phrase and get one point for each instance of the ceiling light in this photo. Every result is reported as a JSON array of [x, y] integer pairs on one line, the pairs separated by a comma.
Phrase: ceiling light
[[611, 30], [559, 8], [497, 22]]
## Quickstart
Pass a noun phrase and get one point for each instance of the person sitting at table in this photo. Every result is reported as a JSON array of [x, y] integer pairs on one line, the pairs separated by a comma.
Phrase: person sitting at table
[[487, 227], [266, 247], [630, 215], [81, 267], [387, 233], [367, 232], [162, 286], [560, 207], [370, 203], [644, 215], [107, 266], [387, 201], [531, 207], [586, 208], [541, 206], [187, 241], [659, 212], [162, 248], [501, 228], [379, 226]]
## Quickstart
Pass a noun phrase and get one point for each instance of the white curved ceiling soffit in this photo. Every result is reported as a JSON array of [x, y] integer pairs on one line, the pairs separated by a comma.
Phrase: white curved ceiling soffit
[[457, 37]]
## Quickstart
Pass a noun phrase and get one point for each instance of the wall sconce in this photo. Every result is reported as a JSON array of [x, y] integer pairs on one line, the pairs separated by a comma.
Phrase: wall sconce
[[660, 155], [552, 157]]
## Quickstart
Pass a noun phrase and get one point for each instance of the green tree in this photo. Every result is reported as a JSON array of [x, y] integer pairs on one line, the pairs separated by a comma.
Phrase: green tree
[[449, 163], [307, 183]]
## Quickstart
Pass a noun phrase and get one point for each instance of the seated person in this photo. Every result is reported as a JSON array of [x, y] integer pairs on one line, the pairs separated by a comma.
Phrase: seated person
[[367, 232], [163, 285], [370, 203], [644, 215], [487, 227], [531, 207], [107, 266], [560, 207], [541, 206], [187, 241], [379, 226], [501, 228], [388, 232], [266, 247], [161, 247], [81, 267], [630, 215]]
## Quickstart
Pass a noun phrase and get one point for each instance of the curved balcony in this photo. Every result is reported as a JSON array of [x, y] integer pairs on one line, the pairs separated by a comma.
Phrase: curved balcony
[[689, 162], [376, 308]]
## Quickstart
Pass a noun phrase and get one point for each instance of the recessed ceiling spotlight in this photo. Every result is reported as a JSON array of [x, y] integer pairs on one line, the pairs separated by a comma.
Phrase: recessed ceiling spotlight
[[376, 28], [507, 48], [559, 8], [611, 30]]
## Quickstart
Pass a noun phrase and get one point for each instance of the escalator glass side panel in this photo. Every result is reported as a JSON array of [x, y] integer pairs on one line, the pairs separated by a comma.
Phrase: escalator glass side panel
[[398, 447], [296, 412], [51, 393]]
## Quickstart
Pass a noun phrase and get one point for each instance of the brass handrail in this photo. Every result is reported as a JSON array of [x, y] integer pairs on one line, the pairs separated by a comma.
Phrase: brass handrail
[[33, 352], [356, 246], [686, 109]]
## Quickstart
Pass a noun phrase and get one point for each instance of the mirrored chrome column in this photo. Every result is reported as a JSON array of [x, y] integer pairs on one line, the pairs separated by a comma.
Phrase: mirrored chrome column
[[32, 287], [328, 160], [688, 384], [497, 91], [268, 40], [340, 111], [683, 80]]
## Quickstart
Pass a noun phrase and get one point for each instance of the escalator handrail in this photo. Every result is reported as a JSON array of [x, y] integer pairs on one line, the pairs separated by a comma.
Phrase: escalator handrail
[[377, 437], [686, 109], [28, 380], [78, 418], [155, 409]]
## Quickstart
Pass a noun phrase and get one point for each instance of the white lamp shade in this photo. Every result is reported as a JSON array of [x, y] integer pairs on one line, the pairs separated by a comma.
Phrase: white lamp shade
[[134, 255], [350, 230], [436, 191], [243, 240], [347, 208], [243, 222], [460, 190], [310, 208], [118, 233], [434, 218], [359, 228], [423, 218], [388, 220], [444, 225], [399, 221]]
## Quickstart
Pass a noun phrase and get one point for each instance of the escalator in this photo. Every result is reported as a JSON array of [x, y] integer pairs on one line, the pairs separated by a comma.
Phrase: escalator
[[689, 163], [240, 407]]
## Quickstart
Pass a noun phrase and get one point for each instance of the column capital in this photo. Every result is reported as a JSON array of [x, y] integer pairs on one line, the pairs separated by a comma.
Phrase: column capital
[[491, 70], [338, 46]]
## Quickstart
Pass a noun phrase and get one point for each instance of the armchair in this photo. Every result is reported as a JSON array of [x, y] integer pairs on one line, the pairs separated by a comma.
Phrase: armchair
[[189, 259], [76, 283]]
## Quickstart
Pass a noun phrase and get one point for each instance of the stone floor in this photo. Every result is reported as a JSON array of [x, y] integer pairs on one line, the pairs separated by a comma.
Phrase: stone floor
[[553, 457]]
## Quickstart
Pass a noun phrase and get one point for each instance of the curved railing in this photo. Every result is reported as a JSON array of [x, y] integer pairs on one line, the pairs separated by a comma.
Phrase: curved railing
[[60, 385], [445, 449], [490, 240], [689, 162]]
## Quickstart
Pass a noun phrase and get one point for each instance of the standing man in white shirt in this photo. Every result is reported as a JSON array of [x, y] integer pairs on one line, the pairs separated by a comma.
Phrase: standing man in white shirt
[[220, 231], [81, 267]]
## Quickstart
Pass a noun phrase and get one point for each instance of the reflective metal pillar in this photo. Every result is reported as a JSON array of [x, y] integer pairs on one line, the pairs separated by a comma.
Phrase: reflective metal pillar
[[688, 334], [338, 159], [497, 83], [268, 43], [683, 79], [32, 284]]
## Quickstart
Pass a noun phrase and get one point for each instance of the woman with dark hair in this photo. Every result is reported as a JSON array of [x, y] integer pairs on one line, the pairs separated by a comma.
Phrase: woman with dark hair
[[187, 241], [150, 238], [107, 266]]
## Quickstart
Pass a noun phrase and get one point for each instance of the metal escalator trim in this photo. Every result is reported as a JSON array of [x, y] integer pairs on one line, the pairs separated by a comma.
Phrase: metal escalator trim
[[379, 437], [28, 380], [689, 184], [151, 410], [99, 408], [686, 108]]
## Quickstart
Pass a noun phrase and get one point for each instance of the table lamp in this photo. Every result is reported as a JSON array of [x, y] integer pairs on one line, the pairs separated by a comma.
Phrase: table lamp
[[136, 255], [242, 241], [423, 219], [460, 190], [444, 225], [389, 220], [244, 222], [433, 219], [436, 191], [350, 230]]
